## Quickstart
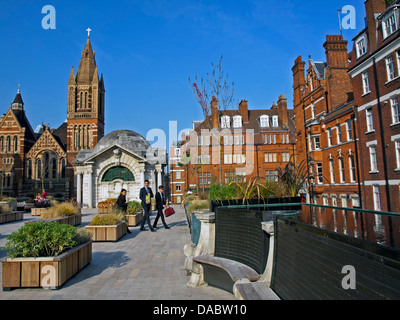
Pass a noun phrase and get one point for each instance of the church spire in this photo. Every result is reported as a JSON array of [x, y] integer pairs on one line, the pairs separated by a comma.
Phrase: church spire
[[87, 65], [18, 102]]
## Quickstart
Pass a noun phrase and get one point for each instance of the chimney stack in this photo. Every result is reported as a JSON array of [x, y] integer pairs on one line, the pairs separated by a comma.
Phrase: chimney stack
[[283, 111], [373, 8], [244, 110], [214, 113], [338, 81], [299, 80]]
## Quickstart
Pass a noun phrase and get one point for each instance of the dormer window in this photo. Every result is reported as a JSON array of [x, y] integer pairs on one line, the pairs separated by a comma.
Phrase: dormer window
[[389, 25], [237, 121], [225, 122], [275, 121], [361, 46], [264, 121]]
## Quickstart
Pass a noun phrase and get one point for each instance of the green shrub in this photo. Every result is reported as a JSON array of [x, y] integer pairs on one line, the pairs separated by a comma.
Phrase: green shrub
[[222, 192], [198, 205], [43, 239], [133, 207]]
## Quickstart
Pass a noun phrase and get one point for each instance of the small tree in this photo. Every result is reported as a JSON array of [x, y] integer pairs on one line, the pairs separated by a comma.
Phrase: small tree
[[217, 87]]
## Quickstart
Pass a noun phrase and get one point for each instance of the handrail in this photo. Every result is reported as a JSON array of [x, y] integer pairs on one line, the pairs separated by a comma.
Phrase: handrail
[[310, 205]]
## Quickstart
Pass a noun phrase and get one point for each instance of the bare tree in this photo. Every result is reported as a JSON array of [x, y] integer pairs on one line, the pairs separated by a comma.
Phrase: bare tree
[[216, 88]]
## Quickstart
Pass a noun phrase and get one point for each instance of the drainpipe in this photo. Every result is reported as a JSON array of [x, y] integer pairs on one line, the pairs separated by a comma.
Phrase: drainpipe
[[326, 100], [389, 207], [308, 164], [353, 116]]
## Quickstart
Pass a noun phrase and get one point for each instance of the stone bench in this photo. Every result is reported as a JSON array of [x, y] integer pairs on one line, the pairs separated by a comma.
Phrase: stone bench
[[224, 273]]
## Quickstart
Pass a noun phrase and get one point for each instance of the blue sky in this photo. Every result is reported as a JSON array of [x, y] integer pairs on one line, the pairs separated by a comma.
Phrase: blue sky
[[148, 49]]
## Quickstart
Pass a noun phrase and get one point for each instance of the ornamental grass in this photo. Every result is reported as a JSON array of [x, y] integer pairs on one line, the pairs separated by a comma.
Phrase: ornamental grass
[[60, 210], [108, 219]]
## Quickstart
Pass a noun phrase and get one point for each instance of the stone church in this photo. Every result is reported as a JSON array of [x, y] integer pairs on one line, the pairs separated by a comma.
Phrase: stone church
[[75, 160]]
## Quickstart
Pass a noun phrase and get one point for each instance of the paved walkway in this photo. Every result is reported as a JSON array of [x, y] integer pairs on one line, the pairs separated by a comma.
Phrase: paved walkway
[[140, 266]]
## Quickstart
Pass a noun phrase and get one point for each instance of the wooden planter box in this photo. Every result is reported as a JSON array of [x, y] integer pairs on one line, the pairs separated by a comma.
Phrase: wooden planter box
[[37, 211], [11, 217], [74, 220], [105, 210], [107, 233], [49, 273], [134, 219], [11, 204]]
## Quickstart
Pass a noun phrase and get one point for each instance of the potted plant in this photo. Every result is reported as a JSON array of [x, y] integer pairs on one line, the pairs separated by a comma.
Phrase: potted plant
[[108, 227], [44, 254], [106, 206], [40, 205], [7, 215], [134, 213]]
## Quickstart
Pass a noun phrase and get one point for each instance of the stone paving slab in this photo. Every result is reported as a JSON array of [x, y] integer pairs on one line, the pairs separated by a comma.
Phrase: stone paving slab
[[140, 266]]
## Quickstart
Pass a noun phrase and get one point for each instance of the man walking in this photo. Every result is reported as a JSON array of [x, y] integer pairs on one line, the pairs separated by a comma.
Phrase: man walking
[[160, 205], [146, 194]]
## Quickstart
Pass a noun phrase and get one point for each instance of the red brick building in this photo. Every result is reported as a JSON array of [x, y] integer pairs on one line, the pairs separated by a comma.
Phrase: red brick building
[[324, 112], [254, 144], [375, 75]]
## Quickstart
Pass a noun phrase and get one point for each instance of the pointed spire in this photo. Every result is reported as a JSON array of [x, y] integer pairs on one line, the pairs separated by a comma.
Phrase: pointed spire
[[87, 65], [72, 76], [18, 102], [95, 76]]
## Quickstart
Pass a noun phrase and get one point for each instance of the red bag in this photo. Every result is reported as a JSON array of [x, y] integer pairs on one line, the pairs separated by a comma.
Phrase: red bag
[[169, 212]]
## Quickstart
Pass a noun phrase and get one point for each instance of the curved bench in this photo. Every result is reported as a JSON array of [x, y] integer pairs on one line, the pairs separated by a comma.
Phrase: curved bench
[[224, 273], [255, 291]]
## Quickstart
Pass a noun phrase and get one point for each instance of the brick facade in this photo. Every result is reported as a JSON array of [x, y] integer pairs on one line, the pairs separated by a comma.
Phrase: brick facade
[[323, 104], [375, 74]]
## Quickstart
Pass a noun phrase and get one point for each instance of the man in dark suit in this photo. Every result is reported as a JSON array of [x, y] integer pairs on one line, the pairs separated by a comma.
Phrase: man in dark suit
[[160, 205], [145, 195]]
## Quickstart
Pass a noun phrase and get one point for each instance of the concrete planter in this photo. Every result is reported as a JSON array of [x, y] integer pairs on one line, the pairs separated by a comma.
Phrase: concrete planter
[[50, 273]]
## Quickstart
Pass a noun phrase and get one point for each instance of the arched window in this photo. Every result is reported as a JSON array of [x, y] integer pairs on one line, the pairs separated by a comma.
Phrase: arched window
[[46, 167], [81, 101], [85, 100], [342, 170], [63, 169], [16, 144], [9, 144], [88, 137], [2, 144], [54, 168], [118, 173], [29, 171], [39, 169]]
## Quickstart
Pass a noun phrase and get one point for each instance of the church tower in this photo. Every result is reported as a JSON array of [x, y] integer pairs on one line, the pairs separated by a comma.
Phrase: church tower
[[85, 116]]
